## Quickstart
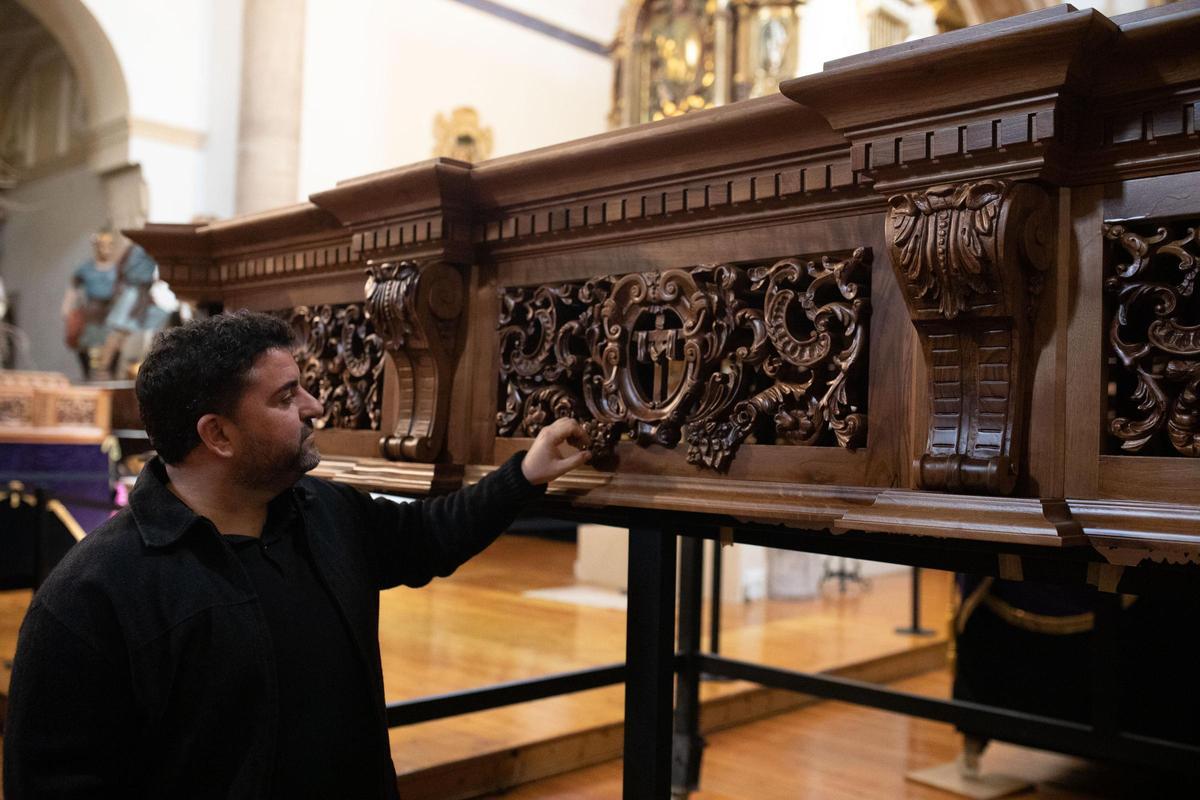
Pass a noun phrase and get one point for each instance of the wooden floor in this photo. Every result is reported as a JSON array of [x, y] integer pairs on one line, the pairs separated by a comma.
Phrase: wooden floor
[[835, 751], [478, 628]]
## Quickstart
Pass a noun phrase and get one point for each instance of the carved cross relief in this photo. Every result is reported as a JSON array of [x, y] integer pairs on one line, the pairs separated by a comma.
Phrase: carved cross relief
[[970, 259], [658, 348]]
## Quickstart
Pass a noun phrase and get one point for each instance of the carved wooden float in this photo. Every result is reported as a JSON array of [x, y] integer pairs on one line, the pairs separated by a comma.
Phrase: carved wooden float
[[959, 266]]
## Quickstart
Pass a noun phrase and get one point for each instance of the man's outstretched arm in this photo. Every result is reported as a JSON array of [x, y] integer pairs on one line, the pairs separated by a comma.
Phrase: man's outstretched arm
[[412, 543]]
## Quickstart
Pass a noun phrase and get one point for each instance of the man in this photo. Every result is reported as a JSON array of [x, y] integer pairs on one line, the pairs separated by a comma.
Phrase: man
[[219, 638]]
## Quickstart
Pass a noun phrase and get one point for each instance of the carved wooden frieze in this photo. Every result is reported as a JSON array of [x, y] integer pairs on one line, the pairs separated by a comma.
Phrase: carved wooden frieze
[[712, 355], [416, 309], [341, 364], [1154, 335], [16, 408], [75, 410], [969, 258]]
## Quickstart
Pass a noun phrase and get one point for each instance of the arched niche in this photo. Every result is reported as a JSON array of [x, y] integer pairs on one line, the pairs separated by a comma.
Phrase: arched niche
[[71, 172], [105, 93]]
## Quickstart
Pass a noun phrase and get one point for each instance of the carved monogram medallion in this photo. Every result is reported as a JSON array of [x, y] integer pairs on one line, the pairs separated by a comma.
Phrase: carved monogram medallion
[[714, 355], [1154, 335], [341, 364]]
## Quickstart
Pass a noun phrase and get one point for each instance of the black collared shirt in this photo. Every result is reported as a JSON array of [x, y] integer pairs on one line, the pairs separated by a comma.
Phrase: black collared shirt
[[327, 736], [149, 666]]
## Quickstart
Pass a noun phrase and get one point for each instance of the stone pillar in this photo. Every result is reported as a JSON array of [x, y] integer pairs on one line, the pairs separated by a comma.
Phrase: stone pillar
[[268, 154]]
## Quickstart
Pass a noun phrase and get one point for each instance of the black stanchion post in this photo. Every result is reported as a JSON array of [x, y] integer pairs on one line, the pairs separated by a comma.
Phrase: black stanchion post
[[649, 663], [914, 628], [687, 745], [714, 621]]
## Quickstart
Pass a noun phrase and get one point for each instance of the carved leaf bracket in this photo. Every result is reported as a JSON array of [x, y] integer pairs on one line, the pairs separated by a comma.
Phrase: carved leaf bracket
[[970, 259], [713, 355], [416, 309]]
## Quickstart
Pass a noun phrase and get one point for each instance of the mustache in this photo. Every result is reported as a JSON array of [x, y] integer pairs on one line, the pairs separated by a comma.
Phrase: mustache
[[307, 431]]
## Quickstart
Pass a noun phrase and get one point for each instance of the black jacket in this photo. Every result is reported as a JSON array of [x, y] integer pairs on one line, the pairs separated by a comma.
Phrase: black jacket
[[144, 667]]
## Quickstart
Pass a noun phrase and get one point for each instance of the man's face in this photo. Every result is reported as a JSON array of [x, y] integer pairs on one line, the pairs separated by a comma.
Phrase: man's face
[[274, 442]]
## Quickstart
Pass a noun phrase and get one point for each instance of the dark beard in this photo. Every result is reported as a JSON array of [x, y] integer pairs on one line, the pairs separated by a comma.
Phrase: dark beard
[[276, 469]]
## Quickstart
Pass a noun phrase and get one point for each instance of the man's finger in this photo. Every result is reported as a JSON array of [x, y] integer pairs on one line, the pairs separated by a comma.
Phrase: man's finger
[[571, 462]]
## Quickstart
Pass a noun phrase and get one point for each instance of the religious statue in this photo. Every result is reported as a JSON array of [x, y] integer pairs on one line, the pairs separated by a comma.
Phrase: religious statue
[[110, 297]]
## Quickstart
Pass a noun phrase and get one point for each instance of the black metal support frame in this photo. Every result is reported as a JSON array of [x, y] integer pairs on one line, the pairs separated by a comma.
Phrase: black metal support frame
[[663, 746], [914, 624]]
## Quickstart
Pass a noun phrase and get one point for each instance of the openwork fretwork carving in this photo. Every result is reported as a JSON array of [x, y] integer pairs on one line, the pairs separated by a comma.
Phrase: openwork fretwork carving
[[1155, 335], [416, 309], [16, 410], [969, 258], [341, 364], [712, 355], [75, 410]]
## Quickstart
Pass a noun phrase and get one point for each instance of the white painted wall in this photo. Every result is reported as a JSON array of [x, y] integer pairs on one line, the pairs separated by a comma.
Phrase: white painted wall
[[377, 72], [181, 61]]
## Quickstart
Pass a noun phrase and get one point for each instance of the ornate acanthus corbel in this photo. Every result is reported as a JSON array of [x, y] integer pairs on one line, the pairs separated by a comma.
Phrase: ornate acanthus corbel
[[970, 259], [416, 308]]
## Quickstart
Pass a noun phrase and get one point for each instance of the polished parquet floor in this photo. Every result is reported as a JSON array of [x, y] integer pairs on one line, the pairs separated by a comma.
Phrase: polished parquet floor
[[835, 751]]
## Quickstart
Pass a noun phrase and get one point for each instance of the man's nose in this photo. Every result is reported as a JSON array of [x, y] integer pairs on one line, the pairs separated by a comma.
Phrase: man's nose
[[311, 407]]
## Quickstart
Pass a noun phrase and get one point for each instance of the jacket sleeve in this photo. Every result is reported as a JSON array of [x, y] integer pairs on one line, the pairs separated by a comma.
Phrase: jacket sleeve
[[68, 731], [411, 543]]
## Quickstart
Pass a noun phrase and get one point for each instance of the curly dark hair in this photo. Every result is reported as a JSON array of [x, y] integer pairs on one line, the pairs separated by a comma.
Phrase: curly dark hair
[[200, 368]]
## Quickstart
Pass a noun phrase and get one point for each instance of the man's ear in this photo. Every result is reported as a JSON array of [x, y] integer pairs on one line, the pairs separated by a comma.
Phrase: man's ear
[[213, 430]]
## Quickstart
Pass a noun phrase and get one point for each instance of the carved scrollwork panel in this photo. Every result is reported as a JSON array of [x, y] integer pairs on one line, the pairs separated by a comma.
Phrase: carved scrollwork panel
[[341, 364], [712, 356], [970, 258], [1154, 336]]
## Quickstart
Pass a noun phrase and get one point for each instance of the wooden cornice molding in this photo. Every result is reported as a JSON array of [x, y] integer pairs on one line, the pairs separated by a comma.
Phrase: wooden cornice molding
[[717, 140], [277, 228], [184, 257], [1016, 520], [1127, 532], [379, 475], [201, 262], [416, 189], [422, 207], [988, 101], [1027, 55], [1156, 49]]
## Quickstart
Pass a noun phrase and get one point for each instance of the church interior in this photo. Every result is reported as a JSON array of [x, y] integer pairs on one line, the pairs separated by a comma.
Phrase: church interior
[[880, 317]]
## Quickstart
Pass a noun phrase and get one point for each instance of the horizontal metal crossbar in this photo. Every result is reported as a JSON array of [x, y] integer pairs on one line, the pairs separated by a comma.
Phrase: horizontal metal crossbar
[[410, 712], [998, 723]]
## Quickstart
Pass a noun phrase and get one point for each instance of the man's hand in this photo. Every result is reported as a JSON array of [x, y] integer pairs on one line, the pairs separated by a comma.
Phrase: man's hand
[[546, 459]]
